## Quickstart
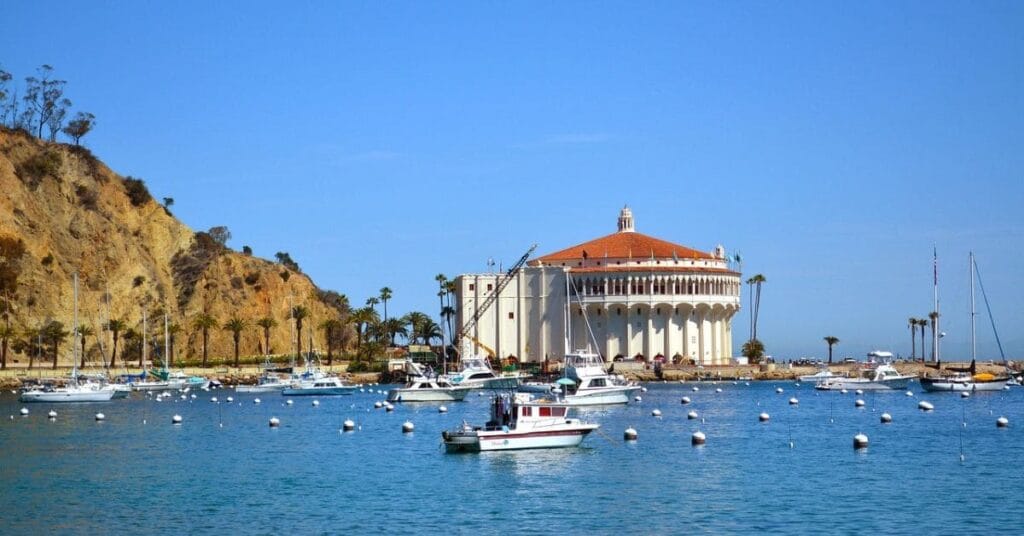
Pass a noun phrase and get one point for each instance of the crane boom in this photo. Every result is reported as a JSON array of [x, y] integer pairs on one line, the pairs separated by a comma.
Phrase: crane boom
[[502, 283]]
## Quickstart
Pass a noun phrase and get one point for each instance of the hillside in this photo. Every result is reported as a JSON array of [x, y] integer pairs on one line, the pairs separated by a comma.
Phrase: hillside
[[74, 214]]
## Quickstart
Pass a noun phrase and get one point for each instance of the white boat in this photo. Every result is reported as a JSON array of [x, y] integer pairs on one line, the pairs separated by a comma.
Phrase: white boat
[[475, 372], [267, 383], [967, 379], [517, 422], [537, 387], [823, 374], [76, 389], [321, 386], [879, 377], [422, 386], [586, 383]]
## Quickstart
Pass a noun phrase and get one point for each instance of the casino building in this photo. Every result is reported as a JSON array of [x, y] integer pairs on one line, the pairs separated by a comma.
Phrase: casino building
[[630, 296]]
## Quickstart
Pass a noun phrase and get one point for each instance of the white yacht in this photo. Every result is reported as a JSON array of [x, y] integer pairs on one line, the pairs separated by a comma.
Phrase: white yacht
[[879, 377], [315, 382], [475, 372], [517, 422], [586, 383], [267, 383], [423, 386], [823, 374]]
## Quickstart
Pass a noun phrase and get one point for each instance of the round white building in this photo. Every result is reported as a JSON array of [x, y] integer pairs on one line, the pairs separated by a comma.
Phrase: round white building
[[631, 296]]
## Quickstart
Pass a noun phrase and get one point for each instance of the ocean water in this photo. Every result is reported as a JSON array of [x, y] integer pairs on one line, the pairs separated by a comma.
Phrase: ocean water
[[224, 470]]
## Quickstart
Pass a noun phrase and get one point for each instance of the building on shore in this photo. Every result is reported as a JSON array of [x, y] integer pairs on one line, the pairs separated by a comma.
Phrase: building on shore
[[631, 296]]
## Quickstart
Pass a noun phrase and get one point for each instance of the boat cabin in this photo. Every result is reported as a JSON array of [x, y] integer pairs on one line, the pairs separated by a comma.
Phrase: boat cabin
[[509, 411]]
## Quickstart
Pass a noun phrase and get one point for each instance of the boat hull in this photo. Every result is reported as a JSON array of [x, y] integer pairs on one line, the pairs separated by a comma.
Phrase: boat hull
[[599, 397], [60, 396], [895, 384], [938, 385], [482, 441], [262, 388], [318, 391], [428, 395]]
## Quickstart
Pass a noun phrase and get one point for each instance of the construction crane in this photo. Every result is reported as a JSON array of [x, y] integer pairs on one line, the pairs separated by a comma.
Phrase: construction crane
[[503, 282]]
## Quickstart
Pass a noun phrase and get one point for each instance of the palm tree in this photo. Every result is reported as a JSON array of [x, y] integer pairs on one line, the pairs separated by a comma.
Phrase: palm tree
[[266, 323], [392, 327], [912, 322], [299, 313], [416, 320], [442, 280], [385, 295], [330, 326], [55, 333], [371, 302], [753, 350], [172, 332], [6, 334], [831, 341], [84, 331], [757, 280], [205, 323], [428, 331], [362, 318], [922, 323], [934, 317], [115, 326], [235, 325], [447, 312]]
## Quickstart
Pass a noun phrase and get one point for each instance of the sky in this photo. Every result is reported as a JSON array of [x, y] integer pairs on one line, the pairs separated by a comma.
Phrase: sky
[[381, 143]]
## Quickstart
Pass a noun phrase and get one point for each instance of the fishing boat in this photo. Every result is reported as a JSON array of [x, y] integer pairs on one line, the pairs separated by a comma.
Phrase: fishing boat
[[587, 383], [518, 422], [823, 374], [76, 389], [874, 377], [967, 378], [268, 382], [475, 372], [422, 386]]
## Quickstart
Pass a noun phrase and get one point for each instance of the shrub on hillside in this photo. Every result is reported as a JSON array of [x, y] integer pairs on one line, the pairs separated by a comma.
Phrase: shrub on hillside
[[86, 196], [44, 164], [136, 190]]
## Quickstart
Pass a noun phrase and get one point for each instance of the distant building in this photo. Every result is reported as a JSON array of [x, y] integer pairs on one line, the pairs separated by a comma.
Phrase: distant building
[[644, 298]]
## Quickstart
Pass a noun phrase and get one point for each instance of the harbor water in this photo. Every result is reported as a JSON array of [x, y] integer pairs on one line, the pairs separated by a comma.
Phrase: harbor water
[[224, 470]]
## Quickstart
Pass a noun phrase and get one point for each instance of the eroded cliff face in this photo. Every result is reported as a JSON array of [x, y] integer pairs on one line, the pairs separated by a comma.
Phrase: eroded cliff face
[[76, 215]]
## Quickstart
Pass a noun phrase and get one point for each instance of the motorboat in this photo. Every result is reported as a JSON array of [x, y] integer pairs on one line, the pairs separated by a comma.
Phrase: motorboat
[[965, 381], [586, 383], [267, 383], [538, 387], [171, 381], [475, 372], [823, 374], [325, 385], [519, 422], [423, 386], [877, 377]]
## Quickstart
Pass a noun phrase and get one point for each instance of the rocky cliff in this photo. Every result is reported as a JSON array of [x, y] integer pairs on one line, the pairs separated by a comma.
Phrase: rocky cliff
[[74, 214]]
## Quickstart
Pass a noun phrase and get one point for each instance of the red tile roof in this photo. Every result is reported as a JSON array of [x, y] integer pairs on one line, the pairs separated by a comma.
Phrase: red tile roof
[[650, 269], [624, 245]]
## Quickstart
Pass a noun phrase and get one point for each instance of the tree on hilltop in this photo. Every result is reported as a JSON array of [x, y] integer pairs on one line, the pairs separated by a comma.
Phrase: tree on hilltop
[[81, 125]]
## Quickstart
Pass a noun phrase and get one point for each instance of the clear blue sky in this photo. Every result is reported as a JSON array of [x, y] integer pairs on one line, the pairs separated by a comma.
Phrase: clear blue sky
[[383, 142]]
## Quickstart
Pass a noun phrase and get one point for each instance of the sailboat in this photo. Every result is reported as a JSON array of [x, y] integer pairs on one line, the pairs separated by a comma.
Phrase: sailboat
[[968, 378], [76, 389]]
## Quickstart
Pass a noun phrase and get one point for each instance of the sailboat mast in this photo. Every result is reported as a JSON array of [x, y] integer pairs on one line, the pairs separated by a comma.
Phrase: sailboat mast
[[74, 329], [973, 313], [167, 342], [935, 291], [144, 342], [568, 314]]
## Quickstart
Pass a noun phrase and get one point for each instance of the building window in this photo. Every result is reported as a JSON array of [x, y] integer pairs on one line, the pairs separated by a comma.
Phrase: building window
[[472, 286], [599, 263], [490, 286], [618, 312], [511, 316]]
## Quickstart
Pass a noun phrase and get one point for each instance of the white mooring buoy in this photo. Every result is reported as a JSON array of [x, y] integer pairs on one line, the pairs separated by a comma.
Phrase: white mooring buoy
[[378, 404], [858, 403], [860, 441], [256, 401], [1002, 422], [630, 434], [643, 389], [24, 412], [886, 418], [389, 408], [685, 400], [52, 414], [910, 393], [843, 391], [213, 399], [698, 438], [637, 398], [924, 405], [718, 390], [100, 416], [442, 409], [793, 401], [290, 402], [859, 392], [275, 422], [965, 394], [778, 390], [763, 417], [691, 415], [407, 427], [656, 413], [316, 403], [348, 425], [176, 419], [230, 399], [695, 388]]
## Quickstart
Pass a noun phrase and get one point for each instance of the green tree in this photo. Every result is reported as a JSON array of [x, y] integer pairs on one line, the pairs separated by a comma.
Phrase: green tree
[[299, 313], [6, 334], [416, 320], [753, 350], [922, 323], [115, 326], [912, 322], [204, 322], [385, 295], [172, 332], [266, 323], [83, 332], [235, 325], [372, 302], [362, 318], [934, 317], [831, 341], [428, 331], [330, 327], [392, 327]]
